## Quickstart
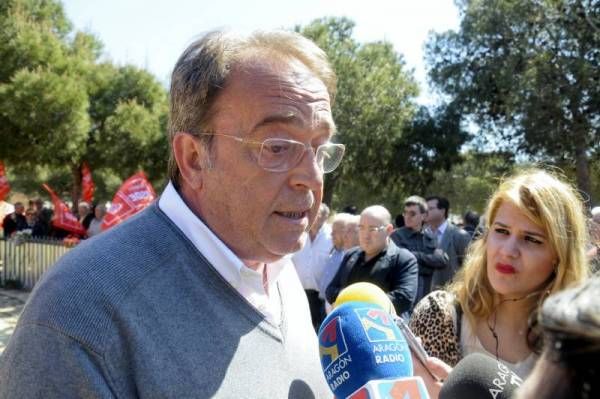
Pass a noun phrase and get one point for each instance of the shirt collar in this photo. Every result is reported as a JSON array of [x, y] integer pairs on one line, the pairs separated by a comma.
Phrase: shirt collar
[[227, 263]]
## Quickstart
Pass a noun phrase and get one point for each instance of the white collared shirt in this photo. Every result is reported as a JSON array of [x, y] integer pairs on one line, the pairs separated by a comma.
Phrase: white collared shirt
[[439, 233], [311, 259], [248, 282]]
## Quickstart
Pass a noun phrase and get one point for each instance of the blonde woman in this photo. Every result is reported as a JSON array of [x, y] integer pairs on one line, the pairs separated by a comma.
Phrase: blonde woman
[[533, 246]]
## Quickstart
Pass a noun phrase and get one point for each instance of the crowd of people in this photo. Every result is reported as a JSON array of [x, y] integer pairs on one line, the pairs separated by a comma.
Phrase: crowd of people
[[215, 290], [36, 220]]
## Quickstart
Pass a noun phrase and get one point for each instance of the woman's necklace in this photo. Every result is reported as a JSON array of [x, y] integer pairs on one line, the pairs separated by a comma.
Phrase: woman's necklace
[[492, 326]]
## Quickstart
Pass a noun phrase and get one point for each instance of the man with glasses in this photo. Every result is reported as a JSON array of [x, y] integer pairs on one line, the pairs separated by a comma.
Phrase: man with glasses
[[419, 242], [196, 296], [379, 261]]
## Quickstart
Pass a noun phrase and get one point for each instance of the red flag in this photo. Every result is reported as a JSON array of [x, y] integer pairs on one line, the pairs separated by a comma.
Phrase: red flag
[[4, 186], [87, 184], [133, 196], [63, 218]]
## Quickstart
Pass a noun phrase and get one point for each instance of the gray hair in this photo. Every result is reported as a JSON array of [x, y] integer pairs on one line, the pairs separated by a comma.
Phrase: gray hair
[[201, 74]]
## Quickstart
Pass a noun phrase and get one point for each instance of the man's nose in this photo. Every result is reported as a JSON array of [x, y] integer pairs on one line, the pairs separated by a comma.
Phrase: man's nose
[[308, 172]]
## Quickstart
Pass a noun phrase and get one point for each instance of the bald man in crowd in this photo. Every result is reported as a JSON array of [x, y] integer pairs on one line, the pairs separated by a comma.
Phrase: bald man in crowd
[[379, 261]]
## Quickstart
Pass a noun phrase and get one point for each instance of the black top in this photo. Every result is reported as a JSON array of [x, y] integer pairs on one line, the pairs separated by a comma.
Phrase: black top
[[422, 245], [394, 270]]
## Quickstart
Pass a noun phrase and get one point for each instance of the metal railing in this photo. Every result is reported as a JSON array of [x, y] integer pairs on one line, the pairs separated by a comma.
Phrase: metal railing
[[24, 260]]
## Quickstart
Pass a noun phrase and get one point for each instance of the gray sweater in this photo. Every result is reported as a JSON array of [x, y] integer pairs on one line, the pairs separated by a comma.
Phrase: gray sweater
[[139, 312]]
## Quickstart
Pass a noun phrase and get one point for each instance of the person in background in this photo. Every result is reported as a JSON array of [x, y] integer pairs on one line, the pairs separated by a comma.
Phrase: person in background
[[420, 242], [310, 262], [339, 224], [471, 223], [351, 239], [30, 218], [196, 296], [96, 223], [379, 261], [450, 239], [534, 246], [14, 221], [83, 210]]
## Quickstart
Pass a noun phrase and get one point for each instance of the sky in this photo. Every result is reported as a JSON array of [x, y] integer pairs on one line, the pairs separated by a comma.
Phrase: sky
[[153, 33]]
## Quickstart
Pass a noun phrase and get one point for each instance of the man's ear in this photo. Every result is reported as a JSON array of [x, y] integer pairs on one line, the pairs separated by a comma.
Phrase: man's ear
[[192, 158], [389, 228]]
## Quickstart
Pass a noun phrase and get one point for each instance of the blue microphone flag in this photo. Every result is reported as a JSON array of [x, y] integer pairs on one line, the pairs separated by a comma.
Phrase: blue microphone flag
[[360, 342]]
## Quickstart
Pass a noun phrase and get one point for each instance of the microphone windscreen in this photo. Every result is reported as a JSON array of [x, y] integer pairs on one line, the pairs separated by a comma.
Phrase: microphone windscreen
[[478, 376], [360, 342], [365, 292]]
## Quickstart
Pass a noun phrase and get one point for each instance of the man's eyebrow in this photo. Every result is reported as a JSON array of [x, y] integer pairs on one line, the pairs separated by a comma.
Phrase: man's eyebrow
[[531, 233], [294, 119]]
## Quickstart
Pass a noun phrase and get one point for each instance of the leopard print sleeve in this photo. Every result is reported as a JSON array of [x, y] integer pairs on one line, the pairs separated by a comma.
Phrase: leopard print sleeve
[[433, 320]]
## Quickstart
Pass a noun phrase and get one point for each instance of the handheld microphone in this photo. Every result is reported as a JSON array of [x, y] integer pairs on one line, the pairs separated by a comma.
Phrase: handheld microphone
[[365, 292], [364, 354], [370, 293], [478, 376]]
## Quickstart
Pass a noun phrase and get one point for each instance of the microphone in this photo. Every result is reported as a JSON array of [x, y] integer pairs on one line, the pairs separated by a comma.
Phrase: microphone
[[365, 292], [478, 376], [364, 355], [370, 293]]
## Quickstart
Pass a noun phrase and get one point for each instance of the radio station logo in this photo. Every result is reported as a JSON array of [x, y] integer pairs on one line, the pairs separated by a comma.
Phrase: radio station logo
[[378, 325], [332, 343]]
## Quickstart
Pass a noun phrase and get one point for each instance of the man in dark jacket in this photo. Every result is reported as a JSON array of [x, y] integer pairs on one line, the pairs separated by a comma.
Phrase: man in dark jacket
[[379, 261], [15, 221], [420, 243], [451, 239]]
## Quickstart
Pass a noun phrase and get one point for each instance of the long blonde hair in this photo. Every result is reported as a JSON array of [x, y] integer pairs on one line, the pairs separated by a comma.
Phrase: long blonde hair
[[551, 203]]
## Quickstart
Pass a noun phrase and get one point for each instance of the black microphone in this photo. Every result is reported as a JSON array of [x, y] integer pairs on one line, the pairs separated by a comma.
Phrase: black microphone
[[478, 376]]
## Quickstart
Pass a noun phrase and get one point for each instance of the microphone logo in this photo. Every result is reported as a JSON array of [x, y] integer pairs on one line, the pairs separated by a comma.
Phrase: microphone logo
[[378, 325], [332, 343]]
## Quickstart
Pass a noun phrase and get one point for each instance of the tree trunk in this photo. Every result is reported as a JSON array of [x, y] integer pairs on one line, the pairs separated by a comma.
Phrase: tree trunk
[[76, 190]]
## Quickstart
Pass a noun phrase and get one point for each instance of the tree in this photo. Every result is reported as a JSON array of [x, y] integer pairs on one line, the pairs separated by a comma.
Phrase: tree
[[469, 184], [374, 109], [528, 73], [59, 106]]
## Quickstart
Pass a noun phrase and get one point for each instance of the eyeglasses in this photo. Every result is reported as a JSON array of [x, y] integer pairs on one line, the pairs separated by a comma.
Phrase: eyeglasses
[[410, 214], [281, 155], [370, 229]]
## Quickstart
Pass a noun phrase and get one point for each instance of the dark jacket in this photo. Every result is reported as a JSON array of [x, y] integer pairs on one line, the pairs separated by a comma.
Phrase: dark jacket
[[422, 245], [454, 242], [394, 270]]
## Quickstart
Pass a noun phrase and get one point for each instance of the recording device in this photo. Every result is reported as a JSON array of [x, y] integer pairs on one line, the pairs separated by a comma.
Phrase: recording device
[[478, 376], [370, 293], [365, 355]]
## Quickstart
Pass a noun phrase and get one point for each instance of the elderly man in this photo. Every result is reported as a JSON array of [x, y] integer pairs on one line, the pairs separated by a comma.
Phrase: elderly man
[[310, 262], [336, 254], [195, 296], [379, 261]]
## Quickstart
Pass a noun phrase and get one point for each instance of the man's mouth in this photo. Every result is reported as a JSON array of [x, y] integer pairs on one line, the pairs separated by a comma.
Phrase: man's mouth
[[293, 215]]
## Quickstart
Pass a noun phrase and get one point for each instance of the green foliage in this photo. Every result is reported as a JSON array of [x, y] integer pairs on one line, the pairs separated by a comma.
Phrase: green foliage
[[59, 106], [528, 73], [373, 110], [469, 184], [43, 115]]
